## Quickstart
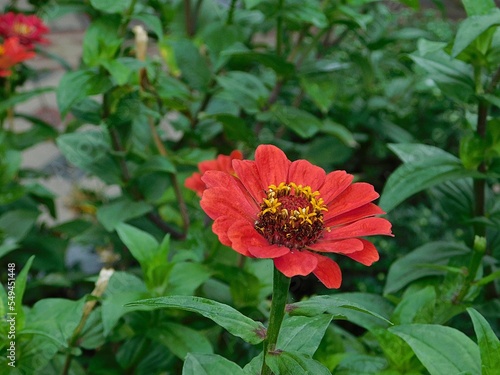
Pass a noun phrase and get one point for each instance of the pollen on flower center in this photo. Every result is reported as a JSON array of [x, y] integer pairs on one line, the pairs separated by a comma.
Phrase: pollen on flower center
[[291, 215], [22, 28]]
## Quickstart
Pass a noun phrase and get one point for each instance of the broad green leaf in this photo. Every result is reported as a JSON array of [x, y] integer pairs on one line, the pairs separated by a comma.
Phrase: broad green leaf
[[442, 350], [471, 28], [245, 89], [339, 131], [276, 63], [21, 280], [303, 334], [20, 97], [141, 244], [17, 223], [372, 302], [302, 12], [293, 363], [209, 364], [417, 307], [361, 364], [415, 264], [186, 277], [76, 86], [453, 77], [156, 163], [232, 320], [425, 166], [9, 165], [122, 288], [111, 6], [8, 244], [180, 339], [152, 22], [60, 324], [299, 121], [235, 128], [192, 64], [478, 7], [90, 151], [49, 325], [328, 304], [489, 345], [112, 214]]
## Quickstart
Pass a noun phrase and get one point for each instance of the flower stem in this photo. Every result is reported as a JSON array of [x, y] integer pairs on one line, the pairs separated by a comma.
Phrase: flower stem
[[279, 29], [281, 283]]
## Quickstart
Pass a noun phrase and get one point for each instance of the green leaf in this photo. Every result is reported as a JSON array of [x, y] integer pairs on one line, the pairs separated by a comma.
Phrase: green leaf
[[17, 223], [276, 63], [425, 166], [232, 320], [20, 97], [244, 89], [299, 121], [154, 164], [76, 86], [442, 350], [186, 277], [9, 166], [292, 363], [192, 64], [417, 307], [151, 22], [471, 28], [90, 151], [122, 288], [412, 266], [141, 244], [489, 345], [328, 304], [111, 6], [112, 214], [180, 339], [209, 364], [453, 77], [478, 7], [21, 280], [235, 128], [303, 334]]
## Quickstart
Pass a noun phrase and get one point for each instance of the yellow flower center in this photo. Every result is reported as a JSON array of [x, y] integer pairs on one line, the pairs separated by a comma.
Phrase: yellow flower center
[[22, 28], [291, 215]]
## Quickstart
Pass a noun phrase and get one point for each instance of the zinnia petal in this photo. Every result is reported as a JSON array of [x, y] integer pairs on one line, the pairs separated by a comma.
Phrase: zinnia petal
[[245, 239], [351, 245], [365, 227], [362, 212], [248, 174], [303, 173], [328, 272], [335, 183], [367, 256], [296, 263], [356, 195], [272, 165]]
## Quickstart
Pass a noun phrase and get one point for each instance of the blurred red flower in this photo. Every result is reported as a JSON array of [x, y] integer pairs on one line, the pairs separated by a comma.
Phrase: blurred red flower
[[293, 212], [28, 28], [12, 53], [222, 163]]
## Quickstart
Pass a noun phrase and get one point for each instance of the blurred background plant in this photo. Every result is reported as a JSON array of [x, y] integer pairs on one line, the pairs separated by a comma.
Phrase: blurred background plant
[[346, 84]]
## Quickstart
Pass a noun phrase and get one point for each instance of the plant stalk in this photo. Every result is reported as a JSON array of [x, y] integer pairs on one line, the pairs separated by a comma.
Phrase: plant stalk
[[281, 284], [230, 15]]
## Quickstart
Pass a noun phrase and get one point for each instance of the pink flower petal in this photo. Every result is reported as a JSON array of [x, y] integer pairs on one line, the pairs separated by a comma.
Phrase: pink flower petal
[[328, 272], [303, 173], [272, 165], [296, 263], [342, 247]]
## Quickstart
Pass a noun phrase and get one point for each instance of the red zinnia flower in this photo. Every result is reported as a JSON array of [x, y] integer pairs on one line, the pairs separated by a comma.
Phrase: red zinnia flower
[[222, 163], [292, 212], [29, 29], [12, 53]]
